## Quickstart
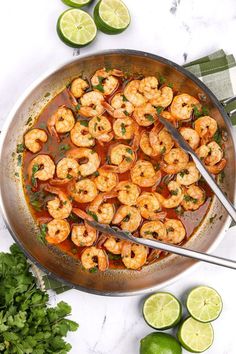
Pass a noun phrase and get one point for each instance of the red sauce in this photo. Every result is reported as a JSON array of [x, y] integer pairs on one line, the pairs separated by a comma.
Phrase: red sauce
[[190, 219]]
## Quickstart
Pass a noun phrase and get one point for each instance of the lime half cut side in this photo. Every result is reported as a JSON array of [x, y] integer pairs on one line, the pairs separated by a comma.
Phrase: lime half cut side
[[195, 336], [111, 16], [204, 304], [162, 310], [77, 3], [76, 28]]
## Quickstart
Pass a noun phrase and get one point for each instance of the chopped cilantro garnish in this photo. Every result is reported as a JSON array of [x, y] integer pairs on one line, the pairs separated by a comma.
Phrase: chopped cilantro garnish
[[99, 86], [64, 147], [149, 117], [34, 170], [84, 123], [20, 148], [130, 151], [159, 109], [174, 192], [123, 129], [94, 215], [218, 137], [19, 160]]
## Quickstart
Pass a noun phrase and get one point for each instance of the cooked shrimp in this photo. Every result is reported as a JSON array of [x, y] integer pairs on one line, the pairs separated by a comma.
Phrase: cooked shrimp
[[163, 98], [182, 106], [100, 128], [144, 175], [175, 198], [212, 156], [105, 180], [83, 191], [93, 257], [83, 235], [57, 231], [154, 230], [90, 156], [206, 127], [113, 245], [210, 153], [103, 211], [175, 161], [122, 157], [67, 168], [128, 192], [217, 168], [33, 139], [120, 107], [149, 206], [145, 114], [215, 154], [145, 144], [149, 87], [134, 256], [175, 231], [105, 80], [194, 197], [161, 141], [188, 175], [191, 136], [80, 134], [41, 167], [128, 217], [131, 92], [60, 207], [91, 104], [78, 86], [62, 121], [124, 128]]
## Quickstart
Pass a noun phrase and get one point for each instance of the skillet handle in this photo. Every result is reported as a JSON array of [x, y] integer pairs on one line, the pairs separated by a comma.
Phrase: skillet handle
[[228, 101]]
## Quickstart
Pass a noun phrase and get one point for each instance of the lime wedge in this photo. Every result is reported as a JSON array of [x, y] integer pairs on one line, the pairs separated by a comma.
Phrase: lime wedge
[[76, 28], [77, 3], [162, 310], [195, 336], [204, 304], [111, 16]]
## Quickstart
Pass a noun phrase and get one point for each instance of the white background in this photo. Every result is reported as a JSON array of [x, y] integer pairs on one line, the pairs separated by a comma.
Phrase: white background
[[30, 46]]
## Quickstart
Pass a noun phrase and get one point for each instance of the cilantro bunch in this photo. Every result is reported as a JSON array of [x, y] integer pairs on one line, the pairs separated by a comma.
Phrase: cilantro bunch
[[27, 324]]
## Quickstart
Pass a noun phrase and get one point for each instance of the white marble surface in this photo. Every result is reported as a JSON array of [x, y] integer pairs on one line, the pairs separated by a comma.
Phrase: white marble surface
[[179, 30]]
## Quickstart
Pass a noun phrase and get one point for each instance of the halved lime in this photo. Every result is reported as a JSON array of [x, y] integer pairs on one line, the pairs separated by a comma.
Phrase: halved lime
[[162, 310], [76, 28], [204, 304], [195, 336], [77, 3], [159, 343], [111, 16]]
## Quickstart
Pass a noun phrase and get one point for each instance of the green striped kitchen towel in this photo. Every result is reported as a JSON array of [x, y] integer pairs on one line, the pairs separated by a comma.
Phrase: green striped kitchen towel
[[218, 72]]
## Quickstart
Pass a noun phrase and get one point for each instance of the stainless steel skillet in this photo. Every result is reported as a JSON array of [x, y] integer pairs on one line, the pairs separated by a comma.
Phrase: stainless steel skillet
[[19, 220]]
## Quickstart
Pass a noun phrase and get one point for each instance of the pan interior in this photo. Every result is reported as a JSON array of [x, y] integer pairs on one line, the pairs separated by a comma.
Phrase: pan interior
[[17, 214]]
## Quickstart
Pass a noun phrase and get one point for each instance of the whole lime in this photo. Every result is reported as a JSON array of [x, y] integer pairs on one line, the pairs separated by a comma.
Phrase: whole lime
[[159, 343]]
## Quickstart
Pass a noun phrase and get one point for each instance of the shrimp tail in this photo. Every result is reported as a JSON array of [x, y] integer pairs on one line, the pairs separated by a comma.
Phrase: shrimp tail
[[108, 108], [82, 214]]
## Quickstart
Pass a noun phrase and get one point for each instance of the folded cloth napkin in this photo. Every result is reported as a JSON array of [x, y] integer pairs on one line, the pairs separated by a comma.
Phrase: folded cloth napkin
[[218, 72]]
